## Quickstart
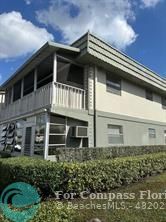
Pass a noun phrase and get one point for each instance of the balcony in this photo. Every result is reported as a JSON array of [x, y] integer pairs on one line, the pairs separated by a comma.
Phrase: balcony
[[56, 94], [68, 96]]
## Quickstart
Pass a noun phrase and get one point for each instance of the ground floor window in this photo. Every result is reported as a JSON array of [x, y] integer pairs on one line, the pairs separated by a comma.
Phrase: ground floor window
[[115, 134], [165, 136], [57, 133], [152, 133]]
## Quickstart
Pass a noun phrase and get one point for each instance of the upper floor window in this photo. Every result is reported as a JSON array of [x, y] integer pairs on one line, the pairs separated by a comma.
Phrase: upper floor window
[[69, 73], [17, 91], [163, 102], [149, 95], [113, 84], [8, 97], [45, 72], [152, 133], [76, 74], [115, 134]]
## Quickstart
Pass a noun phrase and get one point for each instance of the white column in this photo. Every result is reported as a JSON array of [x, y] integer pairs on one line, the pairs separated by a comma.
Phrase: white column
[[22, 88], [55, 67], [47, 129], [12, 94], [54, 78]]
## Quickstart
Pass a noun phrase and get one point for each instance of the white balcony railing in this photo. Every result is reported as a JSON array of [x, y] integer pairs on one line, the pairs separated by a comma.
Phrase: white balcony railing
[[57, 94], [31, 102], [68, 96]]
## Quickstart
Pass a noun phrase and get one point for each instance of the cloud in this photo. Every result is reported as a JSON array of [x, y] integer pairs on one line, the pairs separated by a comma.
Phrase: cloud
[[150, 3], [108, 19], [19, 36], [28, 2]]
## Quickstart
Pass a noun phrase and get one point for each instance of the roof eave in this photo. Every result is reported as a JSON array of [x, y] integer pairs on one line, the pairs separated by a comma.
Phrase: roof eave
[[48, 45]]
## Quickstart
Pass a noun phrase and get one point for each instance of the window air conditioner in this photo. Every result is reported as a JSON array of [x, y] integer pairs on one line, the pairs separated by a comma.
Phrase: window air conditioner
[[80, 131]]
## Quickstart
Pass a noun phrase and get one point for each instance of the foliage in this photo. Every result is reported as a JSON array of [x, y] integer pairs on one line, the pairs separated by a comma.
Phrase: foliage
[[92, 176], [100, 153]]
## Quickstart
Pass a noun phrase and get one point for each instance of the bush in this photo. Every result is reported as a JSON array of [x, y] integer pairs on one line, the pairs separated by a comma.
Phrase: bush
[[49, 211], [92, 176], [4, 154], [100, 153]]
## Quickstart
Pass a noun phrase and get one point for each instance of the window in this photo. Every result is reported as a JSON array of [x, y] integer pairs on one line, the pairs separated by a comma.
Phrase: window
[[57, 134], [76, 74], [149, 95], [165, 136], [28, 83], [68, 73], [8, 96], [45, 72], [163, 102], [17, 91], [40, 135], [115, 134], [152, 133], [113, 84]]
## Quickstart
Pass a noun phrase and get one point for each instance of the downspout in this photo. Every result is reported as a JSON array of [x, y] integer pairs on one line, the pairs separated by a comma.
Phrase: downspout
[[95, 114]]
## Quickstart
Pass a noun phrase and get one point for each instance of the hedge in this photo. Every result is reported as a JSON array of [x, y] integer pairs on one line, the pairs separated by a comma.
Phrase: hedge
[[92, 176], [100, 153], [49, 211]]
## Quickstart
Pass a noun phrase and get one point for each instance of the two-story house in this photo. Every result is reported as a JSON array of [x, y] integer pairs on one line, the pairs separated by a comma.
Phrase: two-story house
[[84, 95]]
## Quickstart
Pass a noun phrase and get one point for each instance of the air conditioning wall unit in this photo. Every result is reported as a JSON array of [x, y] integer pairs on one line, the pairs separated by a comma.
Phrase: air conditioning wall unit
[[79, 131]]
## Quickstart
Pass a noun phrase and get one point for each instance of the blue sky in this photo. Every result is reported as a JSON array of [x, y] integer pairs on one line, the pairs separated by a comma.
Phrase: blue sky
[[136, 27]]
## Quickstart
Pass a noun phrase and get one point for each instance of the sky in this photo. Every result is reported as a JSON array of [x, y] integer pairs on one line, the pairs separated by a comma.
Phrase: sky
[[135, 27]]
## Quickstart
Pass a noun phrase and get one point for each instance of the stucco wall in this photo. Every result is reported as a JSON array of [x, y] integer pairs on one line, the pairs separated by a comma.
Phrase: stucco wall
[[135, 132], [132, 101]]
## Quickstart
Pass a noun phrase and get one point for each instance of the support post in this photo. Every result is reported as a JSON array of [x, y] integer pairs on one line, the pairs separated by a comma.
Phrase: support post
[[54, 78], [35, 79], [47, 129], [55, 67], [22, 87]]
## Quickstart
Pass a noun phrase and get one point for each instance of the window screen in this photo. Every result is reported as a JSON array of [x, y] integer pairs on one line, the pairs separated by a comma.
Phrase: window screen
[[163, 101], [115, 134], [152, 133], [113, 84], [28, 83], [45, 72], [17, 91], [149, 95]]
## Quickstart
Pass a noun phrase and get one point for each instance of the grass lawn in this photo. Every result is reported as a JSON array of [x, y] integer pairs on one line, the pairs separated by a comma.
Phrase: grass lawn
[[134, 208], [134, 211]]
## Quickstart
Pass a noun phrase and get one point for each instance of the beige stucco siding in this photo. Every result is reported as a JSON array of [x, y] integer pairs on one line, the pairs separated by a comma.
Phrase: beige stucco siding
[[132, 101]]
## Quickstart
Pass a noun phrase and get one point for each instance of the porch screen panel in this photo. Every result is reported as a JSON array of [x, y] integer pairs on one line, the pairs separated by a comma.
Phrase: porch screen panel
[[17, 91], [45, 72], [28, 136], [57, 133], [28, 83], [40, 135]]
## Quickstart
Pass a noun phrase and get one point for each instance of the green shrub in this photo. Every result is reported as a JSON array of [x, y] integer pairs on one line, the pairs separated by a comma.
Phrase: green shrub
[[100, 153], [49, 211], [4, 154], [93, 176]]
